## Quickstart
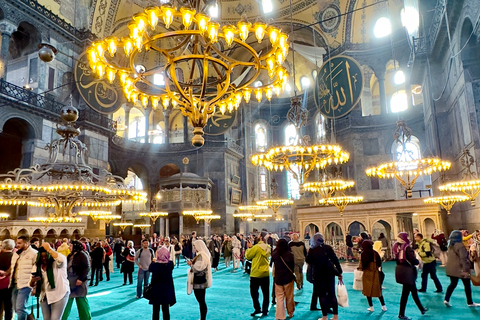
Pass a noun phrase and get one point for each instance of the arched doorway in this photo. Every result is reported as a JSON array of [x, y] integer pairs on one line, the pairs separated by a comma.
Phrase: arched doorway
[[24, 41], [334, 233], [5, 234], [76, 234], [37, 234], [64, 234], [381, 226], [310, 230], [169, 170], [355, 228], [51, 236], [428, 227], [22, 232]]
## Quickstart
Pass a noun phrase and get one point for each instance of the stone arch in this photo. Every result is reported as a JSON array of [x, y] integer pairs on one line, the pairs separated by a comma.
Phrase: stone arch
[[334, 232], [169, 170], [355, 228], [370, 102], [5, 234], [382, 226], [429, 227], [76, 234], [25, 40], [141, 172], [23, 232], [311, 228], [64, 233], [51, 234], [37, 233], [17, 139]]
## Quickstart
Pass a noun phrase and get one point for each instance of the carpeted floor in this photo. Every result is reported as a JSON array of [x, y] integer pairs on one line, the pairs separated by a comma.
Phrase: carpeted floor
[[229, 298]]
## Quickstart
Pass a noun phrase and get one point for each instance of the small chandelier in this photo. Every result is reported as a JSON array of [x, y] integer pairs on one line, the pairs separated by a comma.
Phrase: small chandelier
[[208, 218], [470, 184], [123, 224], [153, 215], [65, 181], [197, 214], [447, 201], [275, 202], [204, 67], [142, 226], [407, 169], [95, 214], [301, 157], [327, 188], [340, 201], [244, 216]]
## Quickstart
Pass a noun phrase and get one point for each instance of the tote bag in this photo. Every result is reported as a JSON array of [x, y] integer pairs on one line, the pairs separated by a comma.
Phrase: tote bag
[[358, 280]]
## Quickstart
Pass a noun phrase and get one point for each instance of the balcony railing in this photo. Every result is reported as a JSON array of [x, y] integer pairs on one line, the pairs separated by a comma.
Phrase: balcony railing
[[88, 118]]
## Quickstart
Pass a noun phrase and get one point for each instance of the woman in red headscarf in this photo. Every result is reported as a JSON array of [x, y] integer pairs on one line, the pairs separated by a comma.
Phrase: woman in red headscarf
[[406, 273]]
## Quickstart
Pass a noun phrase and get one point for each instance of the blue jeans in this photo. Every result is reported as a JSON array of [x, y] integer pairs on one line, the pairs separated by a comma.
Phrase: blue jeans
[[143, 276], [55, 310], [19, 301]]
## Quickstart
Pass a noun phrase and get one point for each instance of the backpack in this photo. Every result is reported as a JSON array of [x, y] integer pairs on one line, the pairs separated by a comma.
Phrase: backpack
[[151, 252]]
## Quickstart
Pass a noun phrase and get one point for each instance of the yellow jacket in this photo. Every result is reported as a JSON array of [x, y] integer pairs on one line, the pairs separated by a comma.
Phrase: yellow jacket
[[64, 249], [259, 255]]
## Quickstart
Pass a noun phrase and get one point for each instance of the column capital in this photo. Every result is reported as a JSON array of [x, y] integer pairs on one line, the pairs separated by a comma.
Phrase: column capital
[[7, 27]]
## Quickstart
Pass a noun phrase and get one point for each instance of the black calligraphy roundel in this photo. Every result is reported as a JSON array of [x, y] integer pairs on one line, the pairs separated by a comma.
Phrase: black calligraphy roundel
[[338, 86], [219, 123]]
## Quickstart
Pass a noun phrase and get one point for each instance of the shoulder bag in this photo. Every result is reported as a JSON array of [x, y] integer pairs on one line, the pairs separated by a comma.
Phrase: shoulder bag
[[293, 273]]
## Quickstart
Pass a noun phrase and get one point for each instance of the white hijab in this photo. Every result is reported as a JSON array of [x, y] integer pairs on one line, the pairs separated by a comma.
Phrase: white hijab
[[204, 262]]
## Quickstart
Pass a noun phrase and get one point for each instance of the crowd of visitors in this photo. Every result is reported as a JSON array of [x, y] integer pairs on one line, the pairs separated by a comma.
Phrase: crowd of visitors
[[58, 273]]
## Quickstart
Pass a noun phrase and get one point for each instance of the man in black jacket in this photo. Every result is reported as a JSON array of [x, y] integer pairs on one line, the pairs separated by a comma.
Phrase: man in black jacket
[[299, 253]]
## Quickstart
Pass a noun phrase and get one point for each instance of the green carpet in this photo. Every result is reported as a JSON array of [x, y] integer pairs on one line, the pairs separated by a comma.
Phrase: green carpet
[[229, 298]]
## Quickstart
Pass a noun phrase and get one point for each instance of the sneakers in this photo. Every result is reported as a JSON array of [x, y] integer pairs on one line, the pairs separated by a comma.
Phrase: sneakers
[[404, 318], [447, 304], [384, 308], [256, 314], [474, 305], [370, 309]]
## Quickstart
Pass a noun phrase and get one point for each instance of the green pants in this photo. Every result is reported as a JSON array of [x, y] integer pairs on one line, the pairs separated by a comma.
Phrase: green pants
[[82, 306]]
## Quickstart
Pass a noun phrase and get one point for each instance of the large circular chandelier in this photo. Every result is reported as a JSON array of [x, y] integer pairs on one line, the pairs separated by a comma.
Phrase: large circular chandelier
[[300, 158], [407, 169], [181, 58], [65, 181], [470, 184]]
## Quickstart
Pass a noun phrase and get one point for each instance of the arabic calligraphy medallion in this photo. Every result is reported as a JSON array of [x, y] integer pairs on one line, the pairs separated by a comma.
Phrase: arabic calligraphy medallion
[[219, 123], [98, 94], [339, 86]]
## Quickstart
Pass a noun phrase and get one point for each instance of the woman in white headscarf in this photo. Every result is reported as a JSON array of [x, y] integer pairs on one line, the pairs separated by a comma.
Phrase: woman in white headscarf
[[202, 275]]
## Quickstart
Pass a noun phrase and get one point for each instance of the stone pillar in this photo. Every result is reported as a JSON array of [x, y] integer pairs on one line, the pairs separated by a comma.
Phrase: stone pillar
[[167, 227], [127, 120], [243, 227], [383, 95], [148, 110], [166, 116], [206, 228], [162, 228], [185, 129], [6, 30], [180, 225]]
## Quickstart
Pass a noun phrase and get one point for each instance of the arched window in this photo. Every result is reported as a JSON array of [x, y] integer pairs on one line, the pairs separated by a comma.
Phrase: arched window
[[158, 135], [407, 151], [399, 101], [263, 183], [320, 127], [136, 127], [260, 137], [132, 180], [293, 188]]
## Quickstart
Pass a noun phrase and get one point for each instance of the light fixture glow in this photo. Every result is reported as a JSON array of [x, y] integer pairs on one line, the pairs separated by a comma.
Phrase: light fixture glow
[[267, 6], [382, 28], [305, 82], [399, 77]]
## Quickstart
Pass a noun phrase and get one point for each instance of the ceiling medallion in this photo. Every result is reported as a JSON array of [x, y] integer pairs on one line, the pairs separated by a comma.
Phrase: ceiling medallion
[[180, 58]]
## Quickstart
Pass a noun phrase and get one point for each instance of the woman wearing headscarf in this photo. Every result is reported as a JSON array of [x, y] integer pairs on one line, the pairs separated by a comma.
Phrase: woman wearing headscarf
[[325, 266], [406, 273], [163, 291], [237, 252], [128, 265], [202, 274], [214, 247], [458, 268], [49, 277], [284, 263], [475, 252], [78, 266], [370, 263]]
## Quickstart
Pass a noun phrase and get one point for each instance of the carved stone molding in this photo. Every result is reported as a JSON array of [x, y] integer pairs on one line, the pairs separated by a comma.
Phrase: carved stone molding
[[7, 27]]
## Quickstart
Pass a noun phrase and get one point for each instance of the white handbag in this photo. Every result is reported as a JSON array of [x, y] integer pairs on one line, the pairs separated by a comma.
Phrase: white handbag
[[358, 280], [189, 282]]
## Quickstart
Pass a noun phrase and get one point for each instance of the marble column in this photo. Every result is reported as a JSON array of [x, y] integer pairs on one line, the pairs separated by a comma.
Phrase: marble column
[[127, 120], [383, 95], [167, 227], [185, 129], [148, 110], [206, 228], [6, 30], [180, 225], [162, 228], [166, 116]]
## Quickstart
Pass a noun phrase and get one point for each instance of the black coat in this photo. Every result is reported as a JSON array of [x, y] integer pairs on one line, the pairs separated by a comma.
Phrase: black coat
[[163, 291], [325, 266], [282, 275], [78, 269], [97, 257], [405, 272]]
